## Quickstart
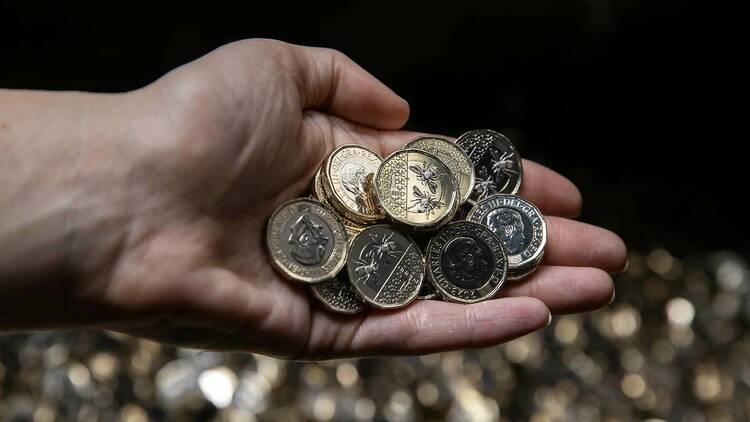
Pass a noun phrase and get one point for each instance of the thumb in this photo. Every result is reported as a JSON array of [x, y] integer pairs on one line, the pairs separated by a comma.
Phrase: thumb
[[330, 81]]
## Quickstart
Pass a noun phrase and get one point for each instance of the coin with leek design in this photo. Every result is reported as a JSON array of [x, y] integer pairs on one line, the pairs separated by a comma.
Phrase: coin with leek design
[[466, 262], [337, 294], [518, 223], [348, 179], [454, 157], [385, 267], [416, 189], [497, 165], [306, 241]]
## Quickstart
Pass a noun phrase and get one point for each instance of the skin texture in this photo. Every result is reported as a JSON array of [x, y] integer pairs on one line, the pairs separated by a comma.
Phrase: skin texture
[[145, 212]]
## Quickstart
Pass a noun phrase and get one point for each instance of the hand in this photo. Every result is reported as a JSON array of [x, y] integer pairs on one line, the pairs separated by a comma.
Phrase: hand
[[148, 217]]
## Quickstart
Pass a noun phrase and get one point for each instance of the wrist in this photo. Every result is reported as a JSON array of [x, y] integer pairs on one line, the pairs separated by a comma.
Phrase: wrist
[[64, 210]]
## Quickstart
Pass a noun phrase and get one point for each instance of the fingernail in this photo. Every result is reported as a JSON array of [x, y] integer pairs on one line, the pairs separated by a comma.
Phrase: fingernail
[[612, 299], [549, 318], [627, 265]]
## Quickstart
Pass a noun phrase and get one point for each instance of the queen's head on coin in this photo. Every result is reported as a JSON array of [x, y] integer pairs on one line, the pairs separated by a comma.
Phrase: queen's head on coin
[[307, 241], [508, 224]]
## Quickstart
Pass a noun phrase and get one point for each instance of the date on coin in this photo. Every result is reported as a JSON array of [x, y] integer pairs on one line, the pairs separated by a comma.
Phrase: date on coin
[[385, 267], [306, 241]]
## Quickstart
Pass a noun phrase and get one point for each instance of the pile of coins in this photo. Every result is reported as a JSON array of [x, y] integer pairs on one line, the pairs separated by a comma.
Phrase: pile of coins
[[437, 219]]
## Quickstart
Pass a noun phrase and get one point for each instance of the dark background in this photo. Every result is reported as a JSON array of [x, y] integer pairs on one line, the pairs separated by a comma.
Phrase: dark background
[[633, 100]]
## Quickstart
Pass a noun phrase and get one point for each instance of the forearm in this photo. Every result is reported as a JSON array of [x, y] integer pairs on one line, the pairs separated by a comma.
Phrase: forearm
[[50, 171]]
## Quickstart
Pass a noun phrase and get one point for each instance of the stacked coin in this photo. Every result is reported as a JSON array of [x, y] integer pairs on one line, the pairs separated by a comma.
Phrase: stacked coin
[[432, 247]]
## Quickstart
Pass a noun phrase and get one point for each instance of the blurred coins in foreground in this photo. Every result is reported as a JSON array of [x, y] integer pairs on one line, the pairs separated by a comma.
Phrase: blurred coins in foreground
[[497, 164], [454, 157], [521, 227], [385, 267], [337, 294], [466, 262], [347, 179], [416, 189], [306, 241]]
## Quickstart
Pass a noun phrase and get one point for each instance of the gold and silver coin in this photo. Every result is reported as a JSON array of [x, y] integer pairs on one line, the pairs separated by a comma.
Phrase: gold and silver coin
[[306, 241], [454, 157], [385, 267], [348, 179], [519, 225], [337, 294], [466, 262], [416, 189], [318, 192], [497, 165]]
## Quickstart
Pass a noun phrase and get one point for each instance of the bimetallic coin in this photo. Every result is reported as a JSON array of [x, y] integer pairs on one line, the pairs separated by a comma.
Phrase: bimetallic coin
[[348, 179], [518, 223], [497, 165], [453, 157], [337, 294], [306, 241], [317, 187], [318, 192], [466, 262], [385, 267], [415, 188]]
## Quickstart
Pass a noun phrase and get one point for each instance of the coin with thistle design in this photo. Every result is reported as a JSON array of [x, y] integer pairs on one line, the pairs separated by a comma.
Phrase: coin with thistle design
[[306, 241], [416, 189], [497, 164]]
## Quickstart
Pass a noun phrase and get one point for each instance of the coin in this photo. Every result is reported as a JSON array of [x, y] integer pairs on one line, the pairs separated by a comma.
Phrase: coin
[[338, 295], [416, 189], [497, 164], [454, 157], [466, 262], [519, 224], [306, 241], [385, 267], [318, 192], [348, 182]]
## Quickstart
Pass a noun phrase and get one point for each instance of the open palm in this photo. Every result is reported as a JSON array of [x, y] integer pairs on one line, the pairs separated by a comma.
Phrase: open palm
[[222, 141]]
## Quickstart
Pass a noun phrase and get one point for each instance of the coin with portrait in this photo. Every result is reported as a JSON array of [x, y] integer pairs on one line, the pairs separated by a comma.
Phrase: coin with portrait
[[337, 294], [466, 262], [497, 164], [318, 192], [454, 157], [385, 267], [306, 241], [416, 189], [518, 223], [348, 180]]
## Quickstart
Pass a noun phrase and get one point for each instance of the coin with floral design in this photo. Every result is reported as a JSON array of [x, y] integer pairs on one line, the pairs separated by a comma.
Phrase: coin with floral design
[[454, 157], [416, 189]]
